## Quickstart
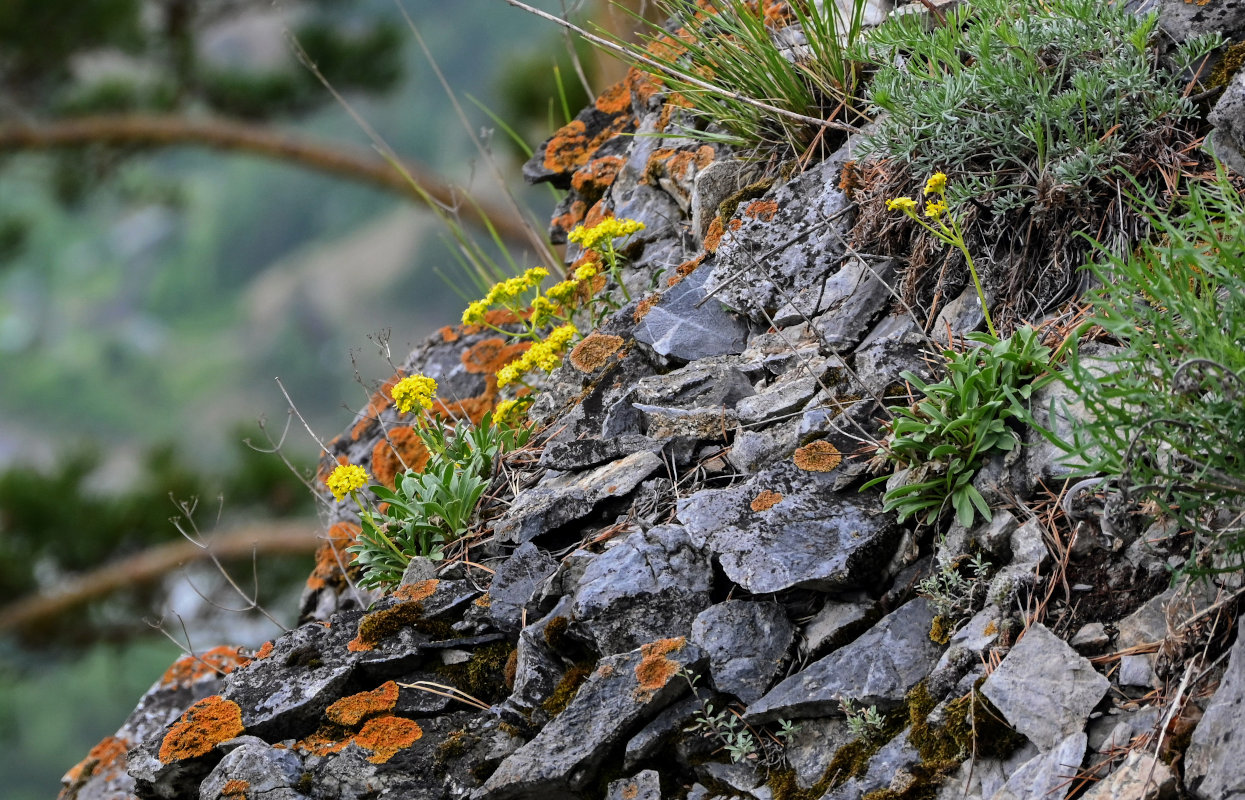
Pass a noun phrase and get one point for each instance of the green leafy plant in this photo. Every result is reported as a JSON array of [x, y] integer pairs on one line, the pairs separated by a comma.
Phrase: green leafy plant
[[863, 723], [1164, 410], [950, 591], [744, 49], [1031, 106], [940, 441], [739, 740]]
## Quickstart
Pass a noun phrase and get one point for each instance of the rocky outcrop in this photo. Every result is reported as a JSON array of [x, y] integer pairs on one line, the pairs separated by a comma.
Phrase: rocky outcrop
[[680, 590]]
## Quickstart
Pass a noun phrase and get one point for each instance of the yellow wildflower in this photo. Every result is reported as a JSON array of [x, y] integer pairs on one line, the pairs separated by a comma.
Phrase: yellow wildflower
[[535, 275], [585, 272], [474, 314], [414, 390], [510, 412], [562, 293], [345, 479], [509, 374], [542, 311], [935, 209], [904, 204], [937, 183], [606, 230]]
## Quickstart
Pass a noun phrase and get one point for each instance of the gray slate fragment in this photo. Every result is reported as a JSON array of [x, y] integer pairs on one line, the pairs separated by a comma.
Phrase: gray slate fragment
[[621, 693], [1047, 774], [1140, 777], [1090, 638], [813, 747], [746, 642], [779, 401], [676, 327], [270, 773], [813, 538], [517, 579], [1135, 670], [852, 299], [752, 451], [657, 734], [566, 497], [1044, 688], [649, 586], [888, 769], [836, 623], [1213, 762], [644, 785], [878, 668], [579, 454], [709, 382]]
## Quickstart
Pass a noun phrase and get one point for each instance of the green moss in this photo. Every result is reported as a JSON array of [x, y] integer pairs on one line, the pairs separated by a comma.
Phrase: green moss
[[306, 782], [483, 675], [566, 689], [380, 625], [1230, 64], [555, 633], [453, 748], [728, 207], [849, 761], [940, 630]]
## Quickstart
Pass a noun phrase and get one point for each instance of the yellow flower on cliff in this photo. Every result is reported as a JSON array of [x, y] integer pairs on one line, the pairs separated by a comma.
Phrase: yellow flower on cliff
[[510, 412], [345, 479], [585, 272], [606, 230], [542, 311], [935, 209], [415, 390], [474, 315], [509, 374], [937, 183], [904, 204], [562, 293]]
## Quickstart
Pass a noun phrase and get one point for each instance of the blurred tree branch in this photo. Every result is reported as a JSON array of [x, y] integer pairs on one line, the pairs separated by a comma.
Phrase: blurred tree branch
[[292, 537], [357, 164]]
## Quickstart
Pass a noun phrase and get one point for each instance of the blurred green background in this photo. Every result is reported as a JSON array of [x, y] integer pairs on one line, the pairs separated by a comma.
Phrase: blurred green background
[[148, 298]]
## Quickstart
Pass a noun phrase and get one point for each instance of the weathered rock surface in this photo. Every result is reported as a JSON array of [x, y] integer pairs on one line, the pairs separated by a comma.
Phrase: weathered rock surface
[[1213, 766], [746, 642]]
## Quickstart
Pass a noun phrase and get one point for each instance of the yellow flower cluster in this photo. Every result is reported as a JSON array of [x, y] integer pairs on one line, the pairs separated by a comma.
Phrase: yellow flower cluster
[[585, 272], [562, 293], [607, 230], [934, 209], [345, 479], [937, 183], [504, 294], [510, 412], [545, 355], [904, 204], [414, 390]]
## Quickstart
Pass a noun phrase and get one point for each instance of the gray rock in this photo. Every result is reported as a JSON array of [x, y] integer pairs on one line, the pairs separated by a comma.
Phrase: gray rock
[[853, 299], [746, 643], [1091, 638], [877, 669], [658, 733], [644, 785], [579, 454], [993, 536], [895, 344], [1135, 670], [888, 769], [538, 669], [1150, 623], [836, 623], [516, 581], [563, 498], [710, 382], [979, 779], [1180, 20], [712, 186], [705, 423], [649, 586], [269, 773], [782, 400], [974, 636], [1140, 777], [811, 539], [679, 326], [621, 693], [813, 747], [1044, 688], [780, 250], [741, 776], [1213, 761], [962, 315], [752, 451], [1047, 774]]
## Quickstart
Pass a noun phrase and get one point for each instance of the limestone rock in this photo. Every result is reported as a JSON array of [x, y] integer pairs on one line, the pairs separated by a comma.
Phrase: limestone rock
[[681, 327], [644, 785], [1140, 777], [1046, 774], [517, 579], [746, 642], [1213, 762], [258, 769]]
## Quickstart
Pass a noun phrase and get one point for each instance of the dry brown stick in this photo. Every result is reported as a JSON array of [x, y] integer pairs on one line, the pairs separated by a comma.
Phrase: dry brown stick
[[281, 538], [353, 163]]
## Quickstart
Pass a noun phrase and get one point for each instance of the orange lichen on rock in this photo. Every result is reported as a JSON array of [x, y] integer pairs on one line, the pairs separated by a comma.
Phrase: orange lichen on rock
[[449, 334], [644, 306], [592, 179], [217, 661], [490, 355], [206, 724], [713, 237], [616, 99], [235, 788], [401, 449], [103, 757], [380, 625], [331, 555], [573, 216], [378, 403], [327, 739], [571, 147], [414, 592], [655, 670], [818, 456], [594, 350], [385, 736], [350, 711], [763, 210], [766, 500], [685, 269], [264, 651]]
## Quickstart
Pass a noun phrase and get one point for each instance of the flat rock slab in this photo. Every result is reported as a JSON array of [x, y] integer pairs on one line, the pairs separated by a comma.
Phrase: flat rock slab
[[1047, 774], [645, 785], [746, 642], [649, 586], [786, 528], [877, 669], [679, 326], [1044, 688], [1213, 768], [1140, 777], [517, 579], [565, 498], [621, 693]]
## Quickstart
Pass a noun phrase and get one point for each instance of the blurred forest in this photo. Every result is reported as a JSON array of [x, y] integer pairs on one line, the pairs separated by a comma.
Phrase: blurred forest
[[154, 279]]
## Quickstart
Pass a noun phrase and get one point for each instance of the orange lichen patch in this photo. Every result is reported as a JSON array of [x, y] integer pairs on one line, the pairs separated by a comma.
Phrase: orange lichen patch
[[235, 788], [331, 555], [511, 669], [592, 179], [572, 217], [655, 670], [763, 210], [104, 756], [641, 86], [685, 269], [400, 450], [420, 590], [490, 355], [819, 456], [631, 791], [646, 305], [483, 601], [595, 349], [449, 334], [765, 500], [682, 165], [264, 651], [378, 403], [217, 661], [571, 147], [327, 739], [992, 627], [849, 179], [616, 99], [713, 237], [385, 736], [350, 711], [206, 724]]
